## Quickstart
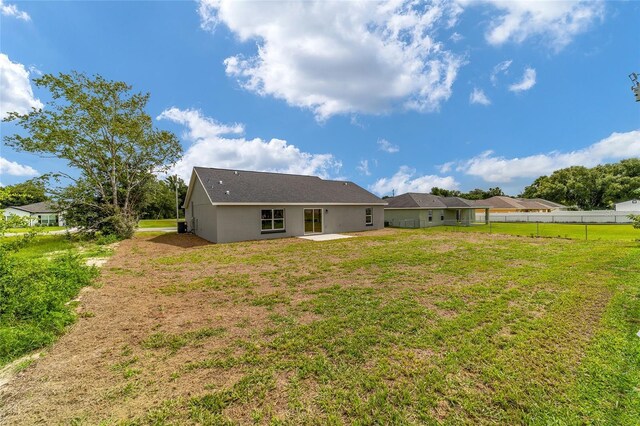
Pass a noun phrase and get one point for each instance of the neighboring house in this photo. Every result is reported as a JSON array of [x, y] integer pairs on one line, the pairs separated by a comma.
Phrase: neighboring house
[[42, 213], [232, 205], [504, 204], [417, 210], [628, 206]]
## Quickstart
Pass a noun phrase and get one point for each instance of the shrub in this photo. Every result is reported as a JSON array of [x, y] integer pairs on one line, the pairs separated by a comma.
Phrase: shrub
[[33, 300]]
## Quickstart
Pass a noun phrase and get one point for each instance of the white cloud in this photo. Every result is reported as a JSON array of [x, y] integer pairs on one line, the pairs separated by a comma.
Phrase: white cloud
[[495, 169], [479, 97], [212, 147], [12, 10], [12, 168], [17, 94], [501, 68], [456, 37], [363, 167], [446, 167], [527, 82], [405, 180], [556, 22], [336, 57], [386, 146]]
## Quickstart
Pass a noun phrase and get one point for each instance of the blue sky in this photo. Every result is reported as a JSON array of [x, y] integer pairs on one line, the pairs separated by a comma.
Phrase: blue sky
[[393, 96]]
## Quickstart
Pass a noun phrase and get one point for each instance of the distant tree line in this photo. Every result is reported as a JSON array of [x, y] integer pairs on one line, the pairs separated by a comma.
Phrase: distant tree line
[[476, 194], [593, 188], [20, 194], [159, 200]]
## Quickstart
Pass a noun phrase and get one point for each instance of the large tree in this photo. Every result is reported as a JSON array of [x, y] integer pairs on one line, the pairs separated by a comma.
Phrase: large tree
[[595, 188], [161, 198], [103, 132]]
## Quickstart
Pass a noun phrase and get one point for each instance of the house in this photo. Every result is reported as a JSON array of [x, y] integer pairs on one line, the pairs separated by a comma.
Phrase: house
[[42, 213], [417, 210], [233, 205], [503, 204], [628, 206]]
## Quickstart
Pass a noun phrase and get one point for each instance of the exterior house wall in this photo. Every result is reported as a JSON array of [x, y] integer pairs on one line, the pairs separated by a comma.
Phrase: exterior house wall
[[419, 218], [242, 223], [9, 211], [46, 219], [201, 215], [628, 206]]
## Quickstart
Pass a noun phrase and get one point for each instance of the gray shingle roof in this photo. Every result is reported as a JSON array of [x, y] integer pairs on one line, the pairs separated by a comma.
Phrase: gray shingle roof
[[429, 201], [41, 207], [504, 202], [239, 186]]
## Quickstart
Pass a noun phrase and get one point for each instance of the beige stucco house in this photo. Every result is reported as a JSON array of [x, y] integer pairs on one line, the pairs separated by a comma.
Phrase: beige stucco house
[[418, 210], [223, 205]]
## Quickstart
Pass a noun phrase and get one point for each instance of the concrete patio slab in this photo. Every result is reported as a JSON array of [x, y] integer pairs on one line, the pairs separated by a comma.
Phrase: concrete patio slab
[[325, 237]]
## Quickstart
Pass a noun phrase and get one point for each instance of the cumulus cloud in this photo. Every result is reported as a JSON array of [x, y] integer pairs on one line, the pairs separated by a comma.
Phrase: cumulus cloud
[[220, 145], [12, 10], [363, 167], [335, 57], [556, 22], [17, 94], [12, 168], [479, 97], [527, 82], [496, 169], [406, 180], [386, 146]]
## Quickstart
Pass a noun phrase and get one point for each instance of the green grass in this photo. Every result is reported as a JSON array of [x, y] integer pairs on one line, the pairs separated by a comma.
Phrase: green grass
[[623, 232], [158, 223], [36, 284], [420, 327], [36, 228]]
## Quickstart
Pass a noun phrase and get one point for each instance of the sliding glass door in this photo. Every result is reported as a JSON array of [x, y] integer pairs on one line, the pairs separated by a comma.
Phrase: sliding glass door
[[312, 221]]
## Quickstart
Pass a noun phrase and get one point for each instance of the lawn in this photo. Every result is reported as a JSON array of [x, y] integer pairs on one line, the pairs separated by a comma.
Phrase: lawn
[[392, 327], [624, 232], [158, 223], [37, 284], [36, 228]]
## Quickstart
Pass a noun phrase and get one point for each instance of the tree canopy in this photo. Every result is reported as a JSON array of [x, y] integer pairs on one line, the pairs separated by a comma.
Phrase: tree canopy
[[589, 188], [103, 132], [161, 198], [476, 194], [28, 192]]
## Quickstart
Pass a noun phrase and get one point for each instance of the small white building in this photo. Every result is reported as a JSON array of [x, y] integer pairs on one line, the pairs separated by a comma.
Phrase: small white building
[[42, 214], [628, 206]]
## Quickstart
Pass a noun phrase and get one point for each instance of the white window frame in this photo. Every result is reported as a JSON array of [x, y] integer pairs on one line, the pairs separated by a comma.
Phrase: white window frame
[[273, 219], [430, 214], [368, 216]]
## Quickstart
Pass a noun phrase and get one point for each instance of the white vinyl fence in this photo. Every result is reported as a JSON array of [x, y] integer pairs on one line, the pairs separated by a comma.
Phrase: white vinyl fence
[[593, 216]]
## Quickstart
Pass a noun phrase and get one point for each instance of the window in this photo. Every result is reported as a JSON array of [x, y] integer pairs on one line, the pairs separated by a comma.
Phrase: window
[[368, 216], [442, 217], [430, 215], [272, 220]]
